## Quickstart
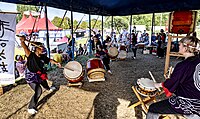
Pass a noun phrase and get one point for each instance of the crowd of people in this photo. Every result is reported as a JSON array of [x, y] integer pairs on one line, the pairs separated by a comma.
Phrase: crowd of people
[[183, 83], [125, 40]]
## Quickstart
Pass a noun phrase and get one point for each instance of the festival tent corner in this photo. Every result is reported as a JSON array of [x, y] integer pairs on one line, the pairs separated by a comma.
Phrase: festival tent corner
[[32, 24], [22, 20], [26, 26]]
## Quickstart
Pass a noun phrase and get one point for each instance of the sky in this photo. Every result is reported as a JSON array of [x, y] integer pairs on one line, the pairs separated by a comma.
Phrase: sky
[[52, 12]]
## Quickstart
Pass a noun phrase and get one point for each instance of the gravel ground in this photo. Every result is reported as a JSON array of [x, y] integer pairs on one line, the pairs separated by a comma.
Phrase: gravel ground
[[97, 100]]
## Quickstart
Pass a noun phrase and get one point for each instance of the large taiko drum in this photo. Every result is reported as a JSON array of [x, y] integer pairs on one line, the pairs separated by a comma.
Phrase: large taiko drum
[[73, 71], [112, 52], [146, 87], [122, 55], [95, 69]]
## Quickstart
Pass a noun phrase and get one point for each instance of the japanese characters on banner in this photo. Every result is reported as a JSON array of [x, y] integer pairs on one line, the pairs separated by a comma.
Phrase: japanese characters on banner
[[7, 45]]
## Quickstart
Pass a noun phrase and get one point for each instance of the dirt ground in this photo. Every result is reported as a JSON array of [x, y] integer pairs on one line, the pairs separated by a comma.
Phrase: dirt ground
[[97, 100]]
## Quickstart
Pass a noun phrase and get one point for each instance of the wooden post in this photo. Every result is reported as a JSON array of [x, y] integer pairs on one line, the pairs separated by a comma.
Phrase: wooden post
[[1, 89], [168, 54]]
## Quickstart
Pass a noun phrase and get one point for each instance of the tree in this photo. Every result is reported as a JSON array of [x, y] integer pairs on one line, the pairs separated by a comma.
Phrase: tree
[[75, 23], [95, 24], [22, 8], [57, 21], [119, 22], [83, 25]]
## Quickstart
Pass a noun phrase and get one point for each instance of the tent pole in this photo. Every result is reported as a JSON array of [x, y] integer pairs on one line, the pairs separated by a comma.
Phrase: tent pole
[[79, 23], [152, 27], [47, 34], [95, 23], [117, 27], [131, 17], [63, 18], [72, 37], [102, 29], [112, 26], [90, 50]]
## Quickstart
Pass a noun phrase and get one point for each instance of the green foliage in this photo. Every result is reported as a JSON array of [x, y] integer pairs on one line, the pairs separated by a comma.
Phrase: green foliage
[[75, 23], [144, 19], [96, 23], [22, 8], [65, 24], [198, 17], [83, 25], [119, 22]]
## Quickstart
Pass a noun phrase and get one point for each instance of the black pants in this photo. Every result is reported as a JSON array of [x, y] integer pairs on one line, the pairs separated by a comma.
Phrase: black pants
[[134, 51], [106, 62], [160, 52], [162, 107], [38, 91]]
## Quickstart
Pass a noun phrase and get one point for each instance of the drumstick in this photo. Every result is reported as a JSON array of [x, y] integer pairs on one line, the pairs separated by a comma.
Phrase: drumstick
[[170, 71], [153, 79], [68, 68], [32, 43]]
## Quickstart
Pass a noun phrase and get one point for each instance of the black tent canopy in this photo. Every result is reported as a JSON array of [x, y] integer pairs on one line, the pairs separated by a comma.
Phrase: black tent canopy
[[115, 7]]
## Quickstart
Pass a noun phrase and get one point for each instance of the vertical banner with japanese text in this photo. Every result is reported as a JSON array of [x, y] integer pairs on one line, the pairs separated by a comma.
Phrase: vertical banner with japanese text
[[7, 45]]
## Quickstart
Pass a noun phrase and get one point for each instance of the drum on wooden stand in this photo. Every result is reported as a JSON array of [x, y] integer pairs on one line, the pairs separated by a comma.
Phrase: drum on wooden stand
[[95, 69], [122, 55], [73, 71], [113, 52], [146, 87]]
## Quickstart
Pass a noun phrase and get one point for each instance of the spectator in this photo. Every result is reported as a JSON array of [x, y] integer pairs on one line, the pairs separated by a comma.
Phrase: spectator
[[153, 40], [80, 50], [85, 52], [69, 54], [58, 56], [20, 65]]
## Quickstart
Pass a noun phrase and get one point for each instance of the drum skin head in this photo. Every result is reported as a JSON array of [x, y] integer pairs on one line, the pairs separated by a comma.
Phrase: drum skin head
[[112, 51], [73, 69], [122, 54], [146, 84]]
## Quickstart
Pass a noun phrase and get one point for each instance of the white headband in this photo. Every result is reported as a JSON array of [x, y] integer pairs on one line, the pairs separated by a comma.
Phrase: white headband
[[188, 45]]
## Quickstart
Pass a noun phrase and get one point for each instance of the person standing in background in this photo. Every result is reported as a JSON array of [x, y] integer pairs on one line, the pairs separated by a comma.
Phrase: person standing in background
[[134, 45]]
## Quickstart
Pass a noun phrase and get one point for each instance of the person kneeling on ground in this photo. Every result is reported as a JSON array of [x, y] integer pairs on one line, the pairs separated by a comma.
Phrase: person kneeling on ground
[[104, 57]]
